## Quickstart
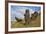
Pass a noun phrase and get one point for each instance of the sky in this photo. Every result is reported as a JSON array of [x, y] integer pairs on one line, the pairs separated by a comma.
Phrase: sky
[[19, 11]]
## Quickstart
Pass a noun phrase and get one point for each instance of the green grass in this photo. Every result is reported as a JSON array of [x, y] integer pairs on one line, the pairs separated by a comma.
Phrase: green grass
[[33, 23]]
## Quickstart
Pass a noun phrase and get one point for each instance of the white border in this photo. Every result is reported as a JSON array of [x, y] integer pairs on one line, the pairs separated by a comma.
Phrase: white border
[[23, 29]]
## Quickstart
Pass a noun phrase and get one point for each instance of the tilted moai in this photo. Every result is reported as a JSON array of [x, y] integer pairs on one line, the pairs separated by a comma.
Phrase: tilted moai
[[27, 16]]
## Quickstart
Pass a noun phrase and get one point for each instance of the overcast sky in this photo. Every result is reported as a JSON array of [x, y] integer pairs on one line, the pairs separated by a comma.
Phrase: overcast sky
[[19, 11]]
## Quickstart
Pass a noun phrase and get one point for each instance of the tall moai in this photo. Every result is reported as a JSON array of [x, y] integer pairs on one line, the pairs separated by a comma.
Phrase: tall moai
[[27, 16]]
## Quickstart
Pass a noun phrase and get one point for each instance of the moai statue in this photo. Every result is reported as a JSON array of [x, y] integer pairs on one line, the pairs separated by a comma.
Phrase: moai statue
[[27, 16]]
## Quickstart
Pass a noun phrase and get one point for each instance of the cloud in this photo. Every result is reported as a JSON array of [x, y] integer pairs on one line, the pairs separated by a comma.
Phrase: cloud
[[19, 12]]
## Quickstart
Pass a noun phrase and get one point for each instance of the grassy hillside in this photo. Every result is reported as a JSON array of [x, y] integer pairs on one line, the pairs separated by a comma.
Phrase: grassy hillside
[[33, 23]]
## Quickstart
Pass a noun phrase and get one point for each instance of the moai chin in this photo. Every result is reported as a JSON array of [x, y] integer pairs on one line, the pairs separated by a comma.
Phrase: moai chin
[[27, 16]]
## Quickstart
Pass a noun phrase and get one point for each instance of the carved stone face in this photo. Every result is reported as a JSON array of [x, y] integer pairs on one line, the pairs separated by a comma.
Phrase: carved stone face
[[27, 11]]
